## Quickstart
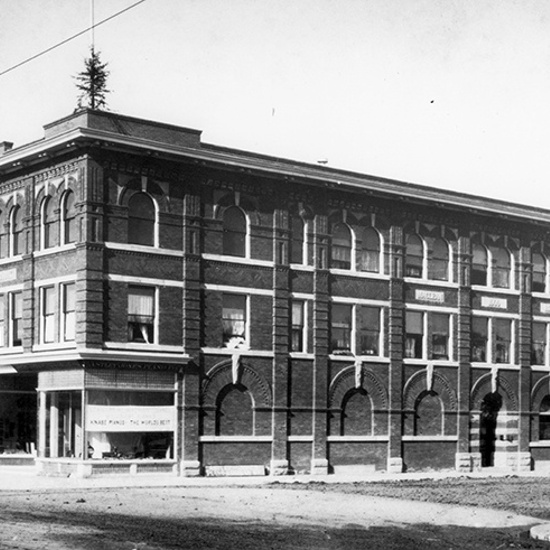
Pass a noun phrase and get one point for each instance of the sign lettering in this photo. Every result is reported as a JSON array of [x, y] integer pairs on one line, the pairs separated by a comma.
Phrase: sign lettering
[[497, 303], [433, 296], [101, 418]]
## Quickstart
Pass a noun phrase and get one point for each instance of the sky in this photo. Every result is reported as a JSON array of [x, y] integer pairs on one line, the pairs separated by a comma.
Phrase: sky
[[453, 94]]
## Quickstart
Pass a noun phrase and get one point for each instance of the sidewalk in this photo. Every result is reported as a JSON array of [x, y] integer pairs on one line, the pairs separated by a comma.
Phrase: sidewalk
[[25, 478]]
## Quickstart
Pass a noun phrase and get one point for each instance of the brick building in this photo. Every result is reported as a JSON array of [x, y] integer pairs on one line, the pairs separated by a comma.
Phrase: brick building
[[170, 305]]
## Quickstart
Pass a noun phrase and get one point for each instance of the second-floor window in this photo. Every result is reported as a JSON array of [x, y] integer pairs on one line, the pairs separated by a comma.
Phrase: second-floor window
[[47, 314], [414, 335], [440, 330], [341, 329], [234, 320], [298, 339], [492, 340], [539, 339], [141, 314], [15, 318], [369, 330], [68, 312]]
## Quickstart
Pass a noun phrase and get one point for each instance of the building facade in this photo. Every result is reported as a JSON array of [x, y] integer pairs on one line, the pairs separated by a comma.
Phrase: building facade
[[167, 305]]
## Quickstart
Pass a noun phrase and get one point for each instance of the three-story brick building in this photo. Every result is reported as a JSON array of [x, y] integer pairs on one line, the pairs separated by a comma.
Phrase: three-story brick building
[[170, 305]]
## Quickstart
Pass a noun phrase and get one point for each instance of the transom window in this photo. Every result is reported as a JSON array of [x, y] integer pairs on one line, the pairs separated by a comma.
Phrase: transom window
[[141, 220], [234, 232]]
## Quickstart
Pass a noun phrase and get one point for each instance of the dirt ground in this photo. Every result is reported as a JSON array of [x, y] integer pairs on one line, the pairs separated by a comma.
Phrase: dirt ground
[[426, 515]]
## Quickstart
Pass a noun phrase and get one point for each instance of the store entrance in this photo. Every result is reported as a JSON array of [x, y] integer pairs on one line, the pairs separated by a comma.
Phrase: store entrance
[[490, 407], [64, 424]]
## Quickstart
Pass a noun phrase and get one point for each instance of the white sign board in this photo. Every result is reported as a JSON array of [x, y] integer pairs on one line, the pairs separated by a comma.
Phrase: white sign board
[[498, 303], [433, 296], [102, 418]]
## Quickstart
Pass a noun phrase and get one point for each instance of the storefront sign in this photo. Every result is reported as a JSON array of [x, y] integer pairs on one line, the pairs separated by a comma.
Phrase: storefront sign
[[497, 303], [433, 296], [102, 418]]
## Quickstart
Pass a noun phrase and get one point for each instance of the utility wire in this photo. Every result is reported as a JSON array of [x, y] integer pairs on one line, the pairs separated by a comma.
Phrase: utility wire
[[70, 38]]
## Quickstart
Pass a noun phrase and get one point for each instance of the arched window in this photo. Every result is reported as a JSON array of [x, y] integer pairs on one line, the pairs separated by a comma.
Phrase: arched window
[[479, 265], [69, 218], [544, 418], [141, 220], [341, 247], [501, 267], [234, 412], [49, 239], [539, 272], [16, 231], [356, 413], [414, 257], [4, 248], [234, 232], [428, 414], [438, 266], [369, 259], [297, 240]]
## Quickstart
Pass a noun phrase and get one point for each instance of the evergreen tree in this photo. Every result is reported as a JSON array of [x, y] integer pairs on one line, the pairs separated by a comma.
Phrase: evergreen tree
[[92, 83]]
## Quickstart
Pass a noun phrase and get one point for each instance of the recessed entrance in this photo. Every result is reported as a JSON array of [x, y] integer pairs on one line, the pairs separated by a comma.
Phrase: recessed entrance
[[490, 407]]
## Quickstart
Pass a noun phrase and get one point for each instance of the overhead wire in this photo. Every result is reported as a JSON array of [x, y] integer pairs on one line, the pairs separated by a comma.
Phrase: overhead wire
[[47, 50]]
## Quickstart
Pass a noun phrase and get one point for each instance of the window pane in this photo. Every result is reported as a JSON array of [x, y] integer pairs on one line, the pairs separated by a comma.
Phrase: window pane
[[141, 314], [369, 258], [503, 334], [414, 256], [414, 330], [341, 328], [341, 247], [479, 339], [234, 232], [538, 344], [296, 240], [539, 273], [297, 340], [501, 269], [16, 318], [440, 335], [438, 267], [69, 215], [369, 330], [234, 320], [141, 220], [544, 418], [479, 265]]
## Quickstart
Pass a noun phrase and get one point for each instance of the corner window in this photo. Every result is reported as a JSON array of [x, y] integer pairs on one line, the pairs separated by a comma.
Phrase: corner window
[[539, 272], [440, 327], [234, 316], [47, 313], [340, 330], [341, 247], [369, 330], [438, 265], [68, 318], [141, 314], [141, 220], [414, 257], [234, 232], [539, 333], [369, 255], [69, 218], [16, 318], [480, 339], [298, 339], [479, 265], [49, 237], [414, 335]]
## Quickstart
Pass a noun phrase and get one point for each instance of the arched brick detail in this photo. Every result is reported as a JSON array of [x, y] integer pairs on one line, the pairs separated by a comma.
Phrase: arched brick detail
[[345, 381], [221, 376], [483, 386], [540, 390], [416, 384]]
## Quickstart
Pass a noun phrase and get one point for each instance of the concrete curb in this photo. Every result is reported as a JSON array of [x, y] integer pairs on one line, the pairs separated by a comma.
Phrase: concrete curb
[[540, 532]]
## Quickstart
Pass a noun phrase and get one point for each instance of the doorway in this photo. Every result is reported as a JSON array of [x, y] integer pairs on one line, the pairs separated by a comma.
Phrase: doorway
[[490, 407]]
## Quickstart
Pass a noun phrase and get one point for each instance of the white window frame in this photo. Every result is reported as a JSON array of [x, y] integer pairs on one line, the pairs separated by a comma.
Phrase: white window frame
[[64, 312], [305, 308], [381, 325], [47, 333], [491, 338], [246, 343], [155, 315], [11, 300]]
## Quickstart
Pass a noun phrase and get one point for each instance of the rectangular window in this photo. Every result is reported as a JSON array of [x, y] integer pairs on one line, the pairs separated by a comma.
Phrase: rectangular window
[[16, 318], [538, 344], [369, 330], [69, 312], [298, 327], [503, 340], [234, 320], [414, 335], [47, 309], [340, 334], [2, 321], [141, 314], [480, 338], [440, 335]]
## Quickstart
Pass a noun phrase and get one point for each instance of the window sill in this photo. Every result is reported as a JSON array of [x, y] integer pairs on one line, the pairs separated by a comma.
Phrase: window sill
[[54, 346], [543, 443], [235, 439], [11, 350], [358, 438], [428, 438], [540, 368], [54, 250], [301, 355], [359, 274], [239, 351], [363, 358], [237, 260], [144, 249], [134, 346], [510, 291], [430, 282], [505, 366], [11, 259]]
